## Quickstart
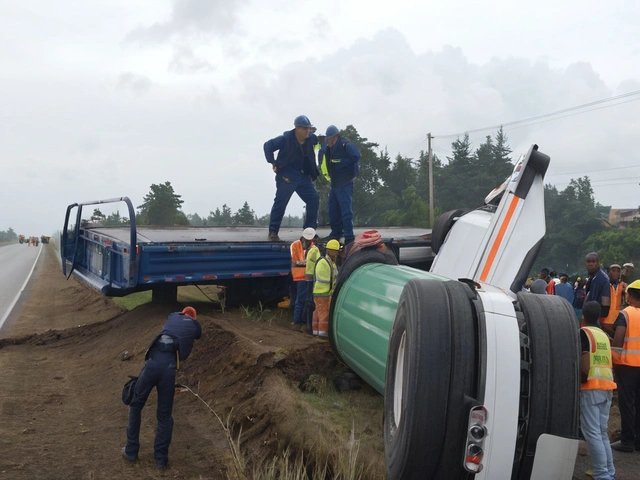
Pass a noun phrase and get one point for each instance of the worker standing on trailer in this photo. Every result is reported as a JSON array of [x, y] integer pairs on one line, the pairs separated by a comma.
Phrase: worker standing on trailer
[[596, 392], [295, 169], [340, 163], [326, 273]]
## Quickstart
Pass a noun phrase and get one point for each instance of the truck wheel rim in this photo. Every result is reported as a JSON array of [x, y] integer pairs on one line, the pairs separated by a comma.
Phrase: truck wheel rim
[[398, 385]]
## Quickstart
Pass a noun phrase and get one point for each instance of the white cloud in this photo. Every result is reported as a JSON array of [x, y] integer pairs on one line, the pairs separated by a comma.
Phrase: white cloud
[[87, 116]]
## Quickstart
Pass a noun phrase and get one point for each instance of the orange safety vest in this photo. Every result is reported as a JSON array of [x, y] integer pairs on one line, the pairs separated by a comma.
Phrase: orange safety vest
[[629, 354], [298, 254], [616, 301], [600, 376]]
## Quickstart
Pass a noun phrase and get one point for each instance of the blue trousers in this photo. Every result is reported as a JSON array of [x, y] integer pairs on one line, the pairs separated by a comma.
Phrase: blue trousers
[[286, 184], [341, 212], [628, 380], [594, 421], [301, 297], [161, 375]]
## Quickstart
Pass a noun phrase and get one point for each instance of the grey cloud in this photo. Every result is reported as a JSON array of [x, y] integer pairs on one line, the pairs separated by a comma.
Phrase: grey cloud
[[86, 146], [184, 61], [321, 25], [191, 17], [137, 84]]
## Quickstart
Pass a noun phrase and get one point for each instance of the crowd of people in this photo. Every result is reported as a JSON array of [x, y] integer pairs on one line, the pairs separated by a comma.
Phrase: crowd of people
[[607, 305]]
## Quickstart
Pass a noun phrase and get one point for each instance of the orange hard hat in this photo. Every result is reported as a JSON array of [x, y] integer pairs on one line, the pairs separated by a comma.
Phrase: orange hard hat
[[189, 311]]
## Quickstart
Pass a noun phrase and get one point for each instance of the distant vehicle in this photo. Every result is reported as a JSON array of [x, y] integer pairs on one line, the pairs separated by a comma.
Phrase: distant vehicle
[[45, 239], [480, 380], [21, 239], [118, 261]]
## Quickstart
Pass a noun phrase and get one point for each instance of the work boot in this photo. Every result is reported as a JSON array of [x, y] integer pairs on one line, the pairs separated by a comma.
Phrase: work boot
[[162, 463], [131, 458], [273, 236], [622, 447]]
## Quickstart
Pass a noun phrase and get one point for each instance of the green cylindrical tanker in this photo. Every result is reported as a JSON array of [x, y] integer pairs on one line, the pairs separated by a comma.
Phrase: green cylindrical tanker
[[362, 315]]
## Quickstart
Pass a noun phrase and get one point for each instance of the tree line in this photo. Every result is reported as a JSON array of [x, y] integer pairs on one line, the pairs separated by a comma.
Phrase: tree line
[[8, 235], [395, 193]]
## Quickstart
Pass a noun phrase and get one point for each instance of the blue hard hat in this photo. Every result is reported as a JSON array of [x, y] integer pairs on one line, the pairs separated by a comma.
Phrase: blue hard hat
[[332, 130], [302, 121]]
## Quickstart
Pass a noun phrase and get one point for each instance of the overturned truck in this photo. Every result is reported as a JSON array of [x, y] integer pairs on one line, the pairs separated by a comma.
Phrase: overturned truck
[[480, 379]]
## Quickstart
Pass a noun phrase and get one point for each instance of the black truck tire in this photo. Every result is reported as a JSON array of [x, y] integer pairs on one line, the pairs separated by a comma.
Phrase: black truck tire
[[430, 370], [551, 326], [441, 228]]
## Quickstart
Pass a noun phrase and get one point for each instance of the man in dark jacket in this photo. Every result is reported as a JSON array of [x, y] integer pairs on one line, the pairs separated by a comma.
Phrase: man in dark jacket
[[295, 169], [341, 159], [172, 346]]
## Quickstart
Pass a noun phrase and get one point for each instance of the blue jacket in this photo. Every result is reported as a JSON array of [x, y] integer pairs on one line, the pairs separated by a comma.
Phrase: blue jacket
[[292, 157], [344, 164], [183, 329]]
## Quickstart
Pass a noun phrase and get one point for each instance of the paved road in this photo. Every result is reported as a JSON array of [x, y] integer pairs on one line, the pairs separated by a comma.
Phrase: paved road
[[16, 264]]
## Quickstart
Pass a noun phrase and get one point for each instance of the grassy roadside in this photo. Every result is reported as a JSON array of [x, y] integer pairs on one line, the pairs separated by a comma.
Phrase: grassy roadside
[[324, 434]]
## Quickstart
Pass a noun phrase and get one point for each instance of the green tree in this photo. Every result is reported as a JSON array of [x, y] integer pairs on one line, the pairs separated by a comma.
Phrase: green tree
[[615, 245], [115, 220], [220, 217], [196, 220], [98, 216], [414, 211], [8, 236], [162, 206], [244, 216], [572, 216], [501, 150], [451, 181]]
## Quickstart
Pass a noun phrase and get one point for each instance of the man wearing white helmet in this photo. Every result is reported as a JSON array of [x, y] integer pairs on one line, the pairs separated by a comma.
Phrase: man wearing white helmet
[[299, 250], [339, 160], [295, 169]]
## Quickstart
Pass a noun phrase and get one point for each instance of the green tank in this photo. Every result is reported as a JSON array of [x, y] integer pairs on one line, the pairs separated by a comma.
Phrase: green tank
[[362, 315]]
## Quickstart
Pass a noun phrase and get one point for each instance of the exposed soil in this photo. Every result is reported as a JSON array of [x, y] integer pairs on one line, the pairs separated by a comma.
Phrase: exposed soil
[[63, 362]]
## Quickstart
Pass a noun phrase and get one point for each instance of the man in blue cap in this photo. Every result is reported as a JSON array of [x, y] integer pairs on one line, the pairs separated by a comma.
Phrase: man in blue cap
[[295, 169], [339, 160]]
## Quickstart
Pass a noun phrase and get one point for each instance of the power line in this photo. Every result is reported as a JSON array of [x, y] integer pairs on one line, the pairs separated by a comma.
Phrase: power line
[[590, 171], [552, 114]]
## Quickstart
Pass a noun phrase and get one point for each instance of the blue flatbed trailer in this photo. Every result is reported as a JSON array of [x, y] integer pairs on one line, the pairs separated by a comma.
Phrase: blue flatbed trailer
[[118, 261]]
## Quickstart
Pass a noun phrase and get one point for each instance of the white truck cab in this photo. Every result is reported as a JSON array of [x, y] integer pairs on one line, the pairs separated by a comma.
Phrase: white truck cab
[[480, 379]]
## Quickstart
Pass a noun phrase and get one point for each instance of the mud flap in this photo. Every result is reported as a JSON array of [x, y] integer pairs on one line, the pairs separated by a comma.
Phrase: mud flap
[[555, 458]]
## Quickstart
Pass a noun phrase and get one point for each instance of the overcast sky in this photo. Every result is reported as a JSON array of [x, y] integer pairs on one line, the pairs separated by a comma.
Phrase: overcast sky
[[102, 98]]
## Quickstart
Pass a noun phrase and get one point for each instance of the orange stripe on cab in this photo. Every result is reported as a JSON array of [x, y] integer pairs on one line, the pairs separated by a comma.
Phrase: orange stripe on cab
[[496, 244]]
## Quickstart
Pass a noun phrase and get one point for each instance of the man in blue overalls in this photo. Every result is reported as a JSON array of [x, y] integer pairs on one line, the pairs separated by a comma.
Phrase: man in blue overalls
[[295, 169], [341, 162], [172, 346]]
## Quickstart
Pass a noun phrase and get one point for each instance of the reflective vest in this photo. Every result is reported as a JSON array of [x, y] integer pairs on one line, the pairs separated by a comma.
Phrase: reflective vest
[[600, 376], [616, 300], [313, 254], [298, 254], [629, 354], [325, 276], [324, 169]]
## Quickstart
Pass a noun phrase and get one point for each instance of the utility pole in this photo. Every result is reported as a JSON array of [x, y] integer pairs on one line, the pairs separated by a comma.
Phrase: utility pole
[[430, 180]]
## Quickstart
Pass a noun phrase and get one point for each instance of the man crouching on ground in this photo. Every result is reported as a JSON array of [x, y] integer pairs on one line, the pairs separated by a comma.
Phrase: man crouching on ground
[[172, 346]]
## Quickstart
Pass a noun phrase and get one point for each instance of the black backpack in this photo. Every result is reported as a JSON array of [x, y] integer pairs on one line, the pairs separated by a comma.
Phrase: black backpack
[[129, 389]]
